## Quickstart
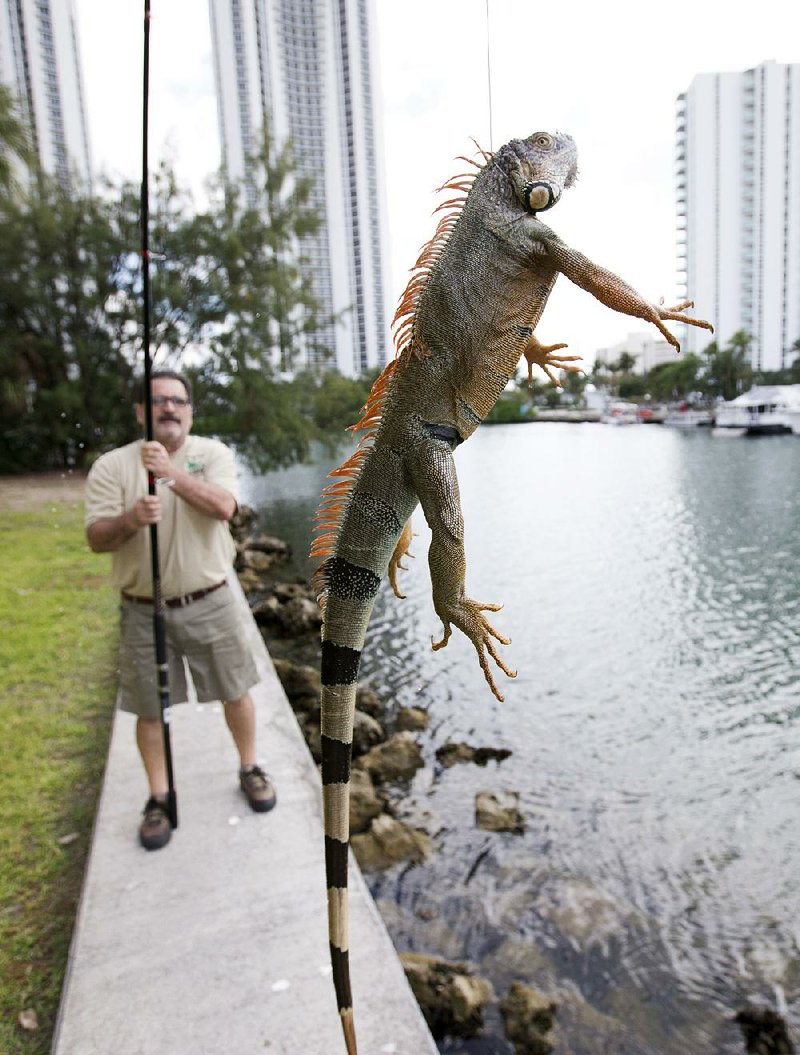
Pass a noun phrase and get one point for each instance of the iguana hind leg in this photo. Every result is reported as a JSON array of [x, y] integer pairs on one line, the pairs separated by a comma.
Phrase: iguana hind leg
[[400, 551], [434, 474]]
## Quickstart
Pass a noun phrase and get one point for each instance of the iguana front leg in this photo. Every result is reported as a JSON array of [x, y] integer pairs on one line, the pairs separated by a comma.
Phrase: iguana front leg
[[436, 484], [542, 356], [608, 288]]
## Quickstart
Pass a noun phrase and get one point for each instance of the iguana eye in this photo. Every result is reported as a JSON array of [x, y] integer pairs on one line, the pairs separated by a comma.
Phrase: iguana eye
[[542, 139]]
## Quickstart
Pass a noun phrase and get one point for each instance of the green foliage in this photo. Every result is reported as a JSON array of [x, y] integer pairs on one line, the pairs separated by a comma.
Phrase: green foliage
[[271, 423], [226, 285], [260, 309], [514, 405], [675, 379], [633, 387], [65, 382], [728, 370], [14, 140], [626, 363], [57, 688]]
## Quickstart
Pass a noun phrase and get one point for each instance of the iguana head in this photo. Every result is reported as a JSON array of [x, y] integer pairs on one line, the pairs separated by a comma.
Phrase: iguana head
[[539, 168]]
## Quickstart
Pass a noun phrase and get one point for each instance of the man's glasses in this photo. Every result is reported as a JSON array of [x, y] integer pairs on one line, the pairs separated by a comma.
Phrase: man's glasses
[[177, 401]]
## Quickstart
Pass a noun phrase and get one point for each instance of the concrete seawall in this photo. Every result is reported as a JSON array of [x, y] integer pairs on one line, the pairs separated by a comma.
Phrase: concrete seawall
[[217, 944]]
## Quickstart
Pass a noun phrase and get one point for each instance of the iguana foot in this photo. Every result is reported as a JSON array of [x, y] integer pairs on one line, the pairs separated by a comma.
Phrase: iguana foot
[[541, 355], [467, 616], [675, 314], [400, 550]]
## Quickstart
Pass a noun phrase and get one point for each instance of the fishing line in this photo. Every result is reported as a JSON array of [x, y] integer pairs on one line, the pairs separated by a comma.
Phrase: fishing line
[[489, 76]]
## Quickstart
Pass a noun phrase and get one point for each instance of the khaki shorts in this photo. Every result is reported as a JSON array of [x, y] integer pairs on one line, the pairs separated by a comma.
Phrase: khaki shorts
[[208, 633]]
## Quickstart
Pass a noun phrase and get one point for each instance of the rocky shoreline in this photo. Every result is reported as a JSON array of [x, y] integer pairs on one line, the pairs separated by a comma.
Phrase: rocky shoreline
[[456, 1001]]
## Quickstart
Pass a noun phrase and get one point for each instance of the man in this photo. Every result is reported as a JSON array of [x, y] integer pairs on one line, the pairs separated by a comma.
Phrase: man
[[196, 483]]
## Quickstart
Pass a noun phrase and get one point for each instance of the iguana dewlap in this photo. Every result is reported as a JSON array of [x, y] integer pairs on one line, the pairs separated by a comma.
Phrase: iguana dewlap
[[476, 295]]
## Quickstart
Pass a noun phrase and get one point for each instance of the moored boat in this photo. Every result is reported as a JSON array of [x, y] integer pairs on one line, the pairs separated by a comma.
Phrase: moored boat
[[764, 410]]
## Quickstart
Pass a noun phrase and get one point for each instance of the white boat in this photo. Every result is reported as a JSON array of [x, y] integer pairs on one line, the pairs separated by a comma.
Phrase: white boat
[[763, 410], [685, 417], [620, 413]]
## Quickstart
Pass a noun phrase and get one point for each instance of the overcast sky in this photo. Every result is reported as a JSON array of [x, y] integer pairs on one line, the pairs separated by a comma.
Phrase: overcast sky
[[606, 73]]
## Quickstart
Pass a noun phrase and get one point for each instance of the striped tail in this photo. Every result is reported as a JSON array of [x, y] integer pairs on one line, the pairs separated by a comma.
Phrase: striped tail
[[350, 595]]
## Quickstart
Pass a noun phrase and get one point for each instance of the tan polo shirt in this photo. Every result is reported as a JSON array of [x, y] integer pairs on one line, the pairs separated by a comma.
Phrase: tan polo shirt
[[195, 550]]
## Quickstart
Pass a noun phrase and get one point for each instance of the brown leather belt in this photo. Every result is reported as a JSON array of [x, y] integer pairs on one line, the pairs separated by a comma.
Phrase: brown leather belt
[[178, 602]]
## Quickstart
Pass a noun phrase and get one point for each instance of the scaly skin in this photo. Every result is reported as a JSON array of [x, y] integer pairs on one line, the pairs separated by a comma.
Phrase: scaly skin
[[475, 309]]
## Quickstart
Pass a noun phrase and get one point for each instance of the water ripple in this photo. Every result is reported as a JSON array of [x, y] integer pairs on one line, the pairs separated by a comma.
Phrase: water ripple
[[651, 583]]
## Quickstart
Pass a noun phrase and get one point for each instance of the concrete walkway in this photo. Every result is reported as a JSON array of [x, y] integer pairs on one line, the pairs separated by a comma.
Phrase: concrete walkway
[[217, 944]]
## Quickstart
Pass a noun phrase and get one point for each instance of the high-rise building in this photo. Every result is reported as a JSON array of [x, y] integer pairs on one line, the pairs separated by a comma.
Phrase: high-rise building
[[40, 63], [738, 165], [309, 67]]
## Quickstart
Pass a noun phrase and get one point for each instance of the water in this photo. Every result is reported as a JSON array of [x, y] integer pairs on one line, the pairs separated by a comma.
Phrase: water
[[651, 582]]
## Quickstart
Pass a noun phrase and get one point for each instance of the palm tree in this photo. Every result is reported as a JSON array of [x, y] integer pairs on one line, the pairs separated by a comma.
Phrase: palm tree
[[626, 363]]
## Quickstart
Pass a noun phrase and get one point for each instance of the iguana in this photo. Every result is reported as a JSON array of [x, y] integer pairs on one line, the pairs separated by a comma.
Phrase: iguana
[[469, 312]]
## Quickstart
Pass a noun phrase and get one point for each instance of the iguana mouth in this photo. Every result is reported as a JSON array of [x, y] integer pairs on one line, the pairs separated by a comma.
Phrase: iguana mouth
[[539, 196]]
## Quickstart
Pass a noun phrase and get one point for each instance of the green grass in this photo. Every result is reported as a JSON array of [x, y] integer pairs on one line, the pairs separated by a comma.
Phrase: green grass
[[57, 688]]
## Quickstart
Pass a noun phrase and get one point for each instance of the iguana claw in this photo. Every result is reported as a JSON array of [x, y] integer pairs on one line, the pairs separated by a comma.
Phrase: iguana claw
[[541, 355], [468, 618], [676, 314]]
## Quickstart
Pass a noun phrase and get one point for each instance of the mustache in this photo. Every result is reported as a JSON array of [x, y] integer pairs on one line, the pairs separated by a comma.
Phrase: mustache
[[168, 417]]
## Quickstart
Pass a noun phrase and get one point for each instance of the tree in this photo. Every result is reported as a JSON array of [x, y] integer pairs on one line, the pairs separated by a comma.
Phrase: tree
[[677, 378], [794, 369], [260, 312], [14, 140], [626, 363], [728, 370], [65, 382]]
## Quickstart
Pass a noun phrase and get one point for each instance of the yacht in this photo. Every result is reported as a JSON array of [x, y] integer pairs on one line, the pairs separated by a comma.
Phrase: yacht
[[764, 410]]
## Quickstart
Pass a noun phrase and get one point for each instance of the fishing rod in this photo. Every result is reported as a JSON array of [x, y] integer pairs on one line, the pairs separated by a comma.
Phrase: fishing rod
[[159, 628]]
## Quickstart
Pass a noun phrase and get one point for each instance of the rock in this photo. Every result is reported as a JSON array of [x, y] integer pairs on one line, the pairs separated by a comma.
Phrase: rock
[[450, 996], [483, 755], [254, 560], [250, 580], [450, 754], [366, 733], [298, 681], [241, 521], [28, 1020], [300, 616], [582, 912], [288, 614], [387, 842], [365, 804], [288, 591], [764, 1031], [267, 612], [528, 1016], [498, 812], [397, 759], [276, 547], [411, 719], [368, 701]]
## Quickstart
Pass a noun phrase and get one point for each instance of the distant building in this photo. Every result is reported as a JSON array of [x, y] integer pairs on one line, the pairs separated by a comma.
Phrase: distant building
[[738, 195], [40, 63], [647, 350], [310, 65]]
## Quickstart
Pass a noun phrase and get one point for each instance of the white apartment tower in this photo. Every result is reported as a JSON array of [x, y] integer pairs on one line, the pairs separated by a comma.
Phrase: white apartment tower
[[738, 166], [311, 67], [40, 63]]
